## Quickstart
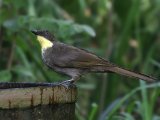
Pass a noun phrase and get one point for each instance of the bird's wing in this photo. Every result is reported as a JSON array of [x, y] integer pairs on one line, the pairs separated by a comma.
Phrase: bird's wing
[[69, 56]]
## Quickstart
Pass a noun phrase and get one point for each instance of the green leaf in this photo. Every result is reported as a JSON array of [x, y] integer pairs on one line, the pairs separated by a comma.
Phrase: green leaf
[[93, 111], [62, 27], [5, 76], [22, 70], [87, 29], [11, 24]]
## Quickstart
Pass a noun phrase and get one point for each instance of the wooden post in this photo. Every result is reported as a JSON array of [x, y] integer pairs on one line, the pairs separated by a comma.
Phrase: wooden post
[[39, 101]]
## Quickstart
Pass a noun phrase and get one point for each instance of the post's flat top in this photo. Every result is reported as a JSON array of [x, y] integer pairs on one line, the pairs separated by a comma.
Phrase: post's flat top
[[35, 94]]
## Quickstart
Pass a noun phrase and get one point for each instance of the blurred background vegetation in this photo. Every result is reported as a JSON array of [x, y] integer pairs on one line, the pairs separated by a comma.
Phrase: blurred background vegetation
[[126, 32]]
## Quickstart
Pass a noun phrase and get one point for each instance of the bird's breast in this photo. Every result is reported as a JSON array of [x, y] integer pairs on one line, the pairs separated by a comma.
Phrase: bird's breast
[[47, 57]]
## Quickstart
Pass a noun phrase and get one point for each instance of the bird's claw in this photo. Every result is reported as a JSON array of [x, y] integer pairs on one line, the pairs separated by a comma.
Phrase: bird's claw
[[67, 83]]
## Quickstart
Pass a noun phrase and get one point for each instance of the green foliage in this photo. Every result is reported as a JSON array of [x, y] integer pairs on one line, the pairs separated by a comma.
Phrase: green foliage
[[5, 75], [127, 32], [93, 111]]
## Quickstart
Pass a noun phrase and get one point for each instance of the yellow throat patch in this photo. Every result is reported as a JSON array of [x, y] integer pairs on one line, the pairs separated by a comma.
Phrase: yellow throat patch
[[44, 42]]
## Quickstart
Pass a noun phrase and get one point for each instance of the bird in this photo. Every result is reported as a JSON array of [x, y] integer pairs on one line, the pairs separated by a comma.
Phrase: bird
[[75, 62]]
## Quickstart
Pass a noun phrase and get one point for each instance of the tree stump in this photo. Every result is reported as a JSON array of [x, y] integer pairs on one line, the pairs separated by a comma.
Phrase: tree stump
[[37, 101]]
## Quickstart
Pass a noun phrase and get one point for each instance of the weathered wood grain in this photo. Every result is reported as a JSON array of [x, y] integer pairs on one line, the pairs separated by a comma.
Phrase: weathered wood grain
[[38, 102]]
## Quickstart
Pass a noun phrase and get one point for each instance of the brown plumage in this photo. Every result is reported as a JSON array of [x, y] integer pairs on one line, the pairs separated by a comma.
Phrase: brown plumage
[[75, 62]]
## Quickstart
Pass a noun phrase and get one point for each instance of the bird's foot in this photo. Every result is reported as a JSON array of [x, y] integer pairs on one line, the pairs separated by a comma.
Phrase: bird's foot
[[67, 83]]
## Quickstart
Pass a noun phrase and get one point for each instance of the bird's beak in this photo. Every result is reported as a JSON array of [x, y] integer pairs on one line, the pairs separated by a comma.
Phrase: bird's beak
[[34, 32]]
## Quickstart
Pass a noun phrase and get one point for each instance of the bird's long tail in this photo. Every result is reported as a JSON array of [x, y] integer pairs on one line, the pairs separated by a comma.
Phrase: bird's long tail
[[129, 73]]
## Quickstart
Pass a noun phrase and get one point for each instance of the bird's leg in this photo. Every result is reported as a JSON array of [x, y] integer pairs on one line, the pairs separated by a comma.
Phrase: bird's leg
[[67, 83]]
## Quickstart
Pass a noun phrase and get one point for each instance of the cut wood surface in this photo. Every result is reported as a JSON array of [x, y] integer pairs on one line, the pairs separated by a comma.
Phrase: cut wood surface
[[37, 101], [37, 94]]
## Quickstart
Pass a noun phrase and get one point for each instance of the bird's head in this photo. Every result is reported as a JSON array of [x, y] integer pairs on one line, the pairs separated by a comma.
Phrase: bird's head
[[45, 38]]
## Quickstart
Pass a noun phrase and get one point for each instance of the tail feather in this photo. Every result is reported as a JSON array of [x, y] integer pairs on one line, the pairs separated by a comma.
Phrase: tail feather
[[132, 74]]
